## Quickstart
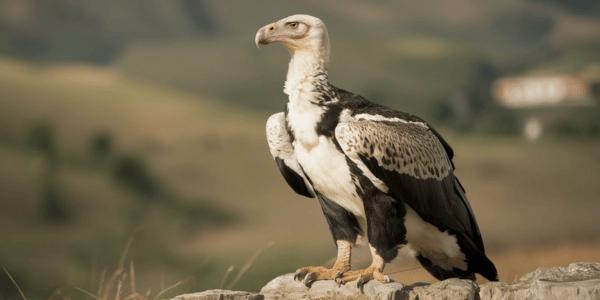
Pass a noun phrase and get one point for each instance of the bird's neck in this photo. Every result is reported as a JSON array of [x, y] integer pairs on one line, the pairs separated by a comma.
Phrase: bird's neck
[[307, 74]]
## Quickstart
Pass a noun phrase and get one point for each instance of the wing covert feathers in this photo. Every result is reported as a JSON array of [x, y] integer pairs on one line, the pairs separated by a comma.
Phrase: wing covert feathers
[[406, 148]]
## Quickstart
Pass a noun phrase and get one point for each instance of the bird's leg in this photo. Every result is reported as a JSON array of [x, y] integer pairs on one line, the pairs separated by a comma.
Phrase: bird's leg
[[308, 275], [372, 272]]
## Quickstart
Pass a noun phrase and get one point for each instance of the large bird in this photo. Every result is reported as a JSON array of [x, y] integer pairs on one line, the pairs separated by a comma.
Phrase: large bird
[[380, 175]]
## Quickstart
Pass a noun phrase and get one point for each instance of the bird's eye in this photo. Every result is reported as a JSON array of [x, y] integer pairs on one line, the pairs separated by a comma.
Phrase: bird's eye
[[292, 24]]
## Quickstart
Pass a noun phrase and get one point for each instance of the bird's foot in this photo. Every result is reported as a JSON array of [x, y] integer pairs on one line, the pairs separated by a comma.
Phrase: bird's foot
[[363, 276], [308, 275]]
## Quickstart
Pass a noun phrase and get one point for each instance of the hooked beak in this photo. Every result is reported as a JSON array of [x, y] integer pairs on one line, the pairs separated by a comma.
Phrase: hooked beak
[[264, 36]]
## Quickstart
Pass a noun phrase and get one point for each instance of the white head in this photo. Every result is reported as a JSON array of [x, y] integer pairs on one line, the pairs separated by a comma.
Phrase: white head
[[299, 33]]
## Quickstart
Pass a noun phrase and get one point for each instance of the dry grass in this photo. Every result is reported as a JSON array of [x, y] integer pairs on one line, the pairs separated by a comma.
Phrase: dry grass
[[15, 283], [244, 269], [121, 283]]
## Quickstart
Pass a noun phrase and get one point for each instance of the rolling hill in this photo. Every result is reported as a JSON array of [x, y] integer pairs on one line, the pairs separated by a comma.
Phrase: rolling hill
[[213, 156]]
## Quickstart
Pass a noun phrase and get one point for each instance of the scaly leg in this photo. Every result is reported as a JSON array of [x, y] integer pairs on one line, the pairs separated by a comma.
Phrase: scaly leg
[[308, 275], [373, 272]]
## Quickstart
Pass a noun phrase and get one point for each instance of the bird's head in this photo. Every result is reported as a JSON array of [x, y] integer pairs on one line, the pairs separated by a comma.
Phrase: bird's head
[[298, 33]]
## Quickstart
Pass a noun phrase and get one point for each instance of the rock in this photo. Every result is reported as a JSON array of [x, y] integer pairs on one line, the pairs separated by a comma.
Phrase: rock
[[285, 287], [575, 281], [220, 295], [447, 289]]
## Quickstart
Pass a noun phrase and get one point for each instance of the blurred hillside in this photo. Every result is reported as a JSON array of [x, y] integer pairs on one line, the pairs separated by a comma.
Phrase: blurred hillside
[[223, 199], [410, 55], [144, 120], [95, 31]]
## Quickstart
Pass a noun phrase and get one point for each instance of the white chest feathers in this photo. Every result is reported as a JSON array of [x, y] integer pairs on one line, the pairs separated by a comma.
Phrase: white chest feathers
[[321, 160], [303, 118], [330, 174]]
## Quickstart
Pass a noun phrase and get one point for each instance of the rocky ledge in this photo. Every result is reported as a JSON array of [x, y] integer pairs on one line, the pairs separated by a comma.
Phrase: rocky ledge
[[575, 281]]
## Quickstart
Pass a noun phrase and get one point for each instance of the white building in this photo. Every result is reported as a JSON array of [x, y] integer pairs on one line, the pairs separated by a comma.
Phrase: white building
[[527, 92], [535, 91]]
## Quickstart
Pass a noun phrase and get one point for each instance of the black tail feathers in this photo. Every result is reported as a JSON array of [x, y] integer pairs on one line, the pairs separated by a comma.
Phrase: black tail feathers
[[477, 261], [486, 268]]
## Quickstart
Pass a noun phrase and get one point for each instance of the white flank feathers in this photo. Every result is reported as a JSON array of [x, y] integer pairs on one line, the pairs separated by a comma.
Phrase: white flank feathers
[[439, 247]]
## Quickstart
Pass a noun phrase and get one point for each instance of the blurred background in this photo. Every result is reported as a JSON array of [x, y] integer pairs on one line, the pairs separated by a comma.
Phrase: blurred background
[[133, 158]]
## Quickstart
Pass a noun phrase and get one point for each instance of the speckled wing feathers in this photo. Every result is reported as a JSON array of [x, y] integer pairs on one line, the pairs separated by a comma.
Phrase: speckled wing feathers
[[278, 138], [403, 147]]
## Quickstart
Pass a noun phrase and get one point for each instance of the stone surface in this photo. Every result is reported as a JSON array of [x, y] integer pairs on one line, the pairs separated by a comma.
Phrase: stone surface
[[285, 287], [447, 289], [220, 295], [575, 281]]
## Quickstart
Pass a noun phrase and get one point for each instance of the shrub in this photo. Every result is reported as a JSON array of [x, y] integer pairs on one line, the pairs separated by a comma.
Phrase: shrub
[[53, 208], [41, 138], [101, 146], [132, 173]]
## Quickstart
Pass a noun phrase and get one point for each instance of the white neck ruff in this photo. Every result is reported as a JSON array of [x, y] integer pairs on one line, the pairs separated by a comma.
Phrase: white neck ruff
[[304, 67]]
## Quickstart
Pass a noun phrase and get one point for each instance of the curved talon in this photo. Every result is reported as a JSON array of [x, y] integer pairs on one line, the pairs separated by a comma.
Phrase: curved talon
[[309, 279], [300, 274], [339, 281], [338, 278], [360, 284], [387, 279]]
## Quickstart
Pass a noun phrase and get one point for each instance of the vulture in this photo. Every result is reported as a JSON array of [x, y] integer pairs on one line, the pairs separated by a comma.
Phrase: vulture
[[383, 178]]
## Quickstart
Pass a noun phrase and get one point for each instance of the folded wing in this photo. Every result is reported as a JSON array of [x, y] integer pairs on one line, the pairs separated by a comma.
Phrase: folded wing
[[280, 145], [414, 164]]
